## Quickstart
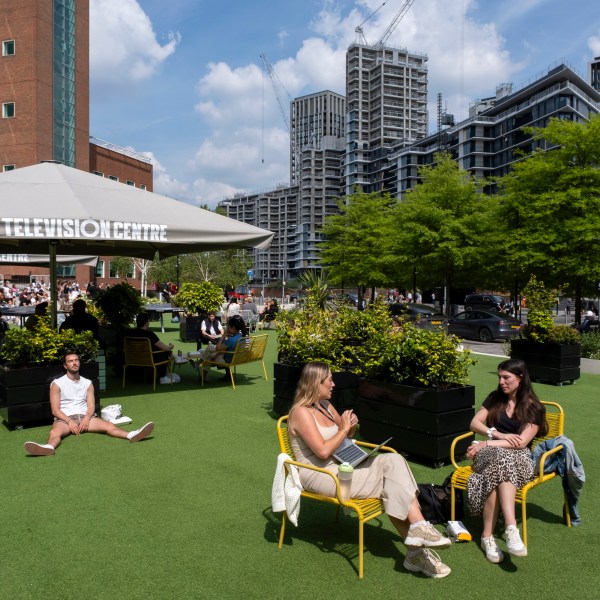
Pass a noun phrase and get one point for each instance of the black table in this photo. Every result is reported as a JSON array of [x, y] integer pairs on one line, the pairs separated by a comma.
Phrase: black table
[[161, 309], [20, 311]]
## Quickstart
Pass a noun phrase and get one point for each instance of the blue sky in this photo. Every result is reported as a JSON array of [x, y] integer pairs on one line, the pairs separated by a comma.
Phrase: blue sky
[[184, 82]]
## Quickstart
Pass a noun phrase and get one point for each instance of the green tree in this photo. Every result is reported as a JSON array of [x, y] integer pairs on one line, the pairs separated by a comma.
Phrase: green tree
[[442, 226], [357, 245], [551, 208]]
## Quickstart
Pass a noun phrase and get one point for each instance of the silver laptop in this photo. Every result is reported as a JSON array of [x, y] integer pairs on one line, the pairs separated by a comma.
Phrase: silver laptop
[[351, 453]]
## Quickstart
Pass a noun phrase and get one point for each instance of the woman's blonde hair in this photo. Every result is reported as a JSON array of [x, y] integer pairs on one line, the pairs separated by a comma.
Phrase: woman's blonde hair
[[307, 392]]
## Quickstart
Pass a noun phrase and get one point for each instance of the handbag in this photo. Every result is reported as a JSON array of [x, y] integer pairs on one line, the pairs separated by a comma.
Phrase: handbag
[[435, 501]]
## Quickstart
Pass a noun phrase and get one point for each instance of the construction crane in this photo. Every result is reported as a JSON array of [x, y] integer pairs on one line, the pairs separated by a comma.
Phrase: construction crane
[[276, 82], [392, 26], [360, 35]]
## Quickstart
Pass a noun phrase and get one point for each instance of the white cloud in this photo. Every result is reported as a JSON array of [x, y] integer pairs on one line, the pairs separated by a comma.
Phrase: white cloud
[[123, 45], [594, 45], [164, 183]]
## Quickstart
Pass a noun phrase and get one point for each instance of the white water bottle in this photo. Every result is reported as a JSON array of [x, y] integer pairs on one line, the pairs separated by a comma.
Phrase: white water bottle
[[345, 471]]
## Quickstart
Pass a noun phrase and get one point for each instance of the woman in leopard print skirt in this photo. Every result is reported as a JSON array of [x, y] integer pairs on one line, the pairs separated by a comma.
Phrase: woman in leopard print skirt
[[510, 417]]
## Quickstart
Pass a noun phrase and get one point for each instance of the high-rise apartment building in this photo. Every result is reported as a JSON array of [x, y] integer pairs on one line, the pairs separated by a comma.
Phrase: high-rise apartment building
[[492, 138], [44, 98], [594, 73], [386, 98], [317, 122]]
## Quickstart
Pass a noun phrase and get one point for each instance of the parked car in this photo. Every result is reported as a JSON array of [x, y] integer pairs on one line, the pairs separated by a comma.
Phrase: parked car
[[484, 301], [351, 299], [484, 325], [422, 315]]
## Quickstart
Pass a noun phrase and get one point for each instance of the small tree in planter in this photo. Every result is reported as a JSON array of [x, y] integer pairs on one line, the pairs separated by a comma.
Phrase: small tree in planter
[[197, 299], [552, 352], [119, 305]]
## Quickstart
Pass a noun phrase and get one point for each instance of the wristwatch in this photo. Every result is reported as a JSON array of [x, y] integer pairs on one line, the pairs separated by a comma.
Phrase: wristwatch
[[490, 433]]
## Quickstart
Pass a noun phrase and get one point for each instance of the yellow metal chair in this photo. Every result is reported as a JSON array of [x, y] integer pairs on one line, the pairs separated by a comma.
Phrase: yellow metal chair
[[247, 350], [555, 418], [139, 353], [365, 508]]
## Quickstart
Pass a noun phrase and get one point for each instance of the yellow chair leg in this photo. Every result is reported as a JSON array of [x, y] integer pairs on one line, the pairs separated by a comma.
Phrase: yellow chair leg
[[360, 548], [265, 370], [452, 504], [524, 518], [282, 531], [231, 371], [567, 513], [124, 371]]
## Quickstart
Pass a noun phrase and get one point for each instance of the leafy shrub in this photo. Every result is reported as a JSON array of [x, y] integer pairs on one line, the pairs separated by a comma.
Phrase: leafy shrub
[[590, 345], [45, 345], [198, 298], [563, 334], [428, 358], [539, 317], [366, 343], [119, 304]]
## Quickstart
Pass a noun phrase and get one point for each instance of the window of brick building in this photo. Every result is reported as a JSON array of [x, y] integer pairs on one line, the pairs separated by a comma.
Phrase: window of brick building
[[8, 47], [8, 110], [8, 167], [142, 186], [129, 182], [99, 173], [113, 177]]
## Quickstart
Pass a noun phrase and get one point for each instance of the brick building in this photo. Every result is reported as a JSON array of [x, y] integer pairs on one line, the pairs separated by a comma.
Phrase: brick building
[[44, 97]]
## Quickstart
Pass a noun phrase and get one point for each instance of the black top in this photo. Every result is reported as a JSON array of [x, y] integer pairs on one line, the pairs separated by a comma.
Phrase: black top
[[143, 333], [79, 323], [505, 423]]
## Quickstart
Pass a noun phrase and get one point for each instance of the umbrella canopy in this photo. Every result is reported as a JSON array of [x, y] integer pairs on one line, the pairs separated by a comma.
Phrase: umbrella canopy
[[80, 213], [43, 260]]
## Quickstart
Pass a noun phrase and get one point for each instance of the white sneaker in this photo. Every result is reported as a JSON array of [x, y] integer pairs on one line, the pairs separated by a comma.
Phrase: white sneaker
[[141, 433], [176, 378], [426, 535], [166, 379], [427, 562], [35, 449], [513, 541], [492, 552]]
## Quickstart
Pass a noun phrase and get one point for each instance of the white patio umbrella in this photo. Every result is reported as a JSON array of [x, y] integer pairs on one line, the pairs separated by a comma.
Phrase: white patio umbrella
[[53, 209]]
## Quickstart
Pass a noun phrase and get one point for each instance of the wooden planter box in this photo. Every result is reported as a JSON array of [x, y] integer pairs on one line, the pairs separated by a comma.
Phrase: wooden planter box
[[285, 381], [190, 328], [422, 421], [552, 363], [25, 397]]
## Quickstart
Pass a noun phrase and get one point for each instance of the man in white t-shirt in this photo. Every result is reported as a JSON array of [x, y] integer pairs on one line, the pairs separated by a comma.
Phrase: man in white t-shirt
[[73, 404]]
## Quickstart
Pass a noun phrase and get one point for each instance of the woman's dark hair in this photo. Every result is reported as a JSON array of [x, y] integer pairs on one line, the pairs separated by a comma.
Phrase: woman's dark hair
[[528, 408], [237, 322]]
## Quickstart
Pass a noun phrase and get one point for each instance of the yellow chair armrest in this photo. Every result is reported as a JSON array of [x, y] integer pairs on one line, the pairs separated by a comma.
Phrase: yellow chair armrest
[[545, 456], [453, 446], [319, 470]]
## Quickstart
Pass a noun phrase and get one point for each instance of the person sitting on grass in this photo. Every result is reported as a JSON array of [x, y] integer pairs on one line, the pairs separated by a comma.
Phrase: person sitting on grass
[[73, 404]]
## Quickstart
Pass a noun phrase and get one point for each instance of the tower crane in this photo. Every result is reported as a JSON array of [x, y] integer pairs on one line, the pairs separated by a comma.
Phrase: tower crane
[[392, 26], [360, 36], [276, 82]]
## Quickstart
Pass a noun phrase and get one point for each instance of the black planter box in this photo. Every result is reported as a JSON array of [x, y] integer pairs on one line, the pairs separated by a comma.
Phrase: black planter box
[[25, 397], [285, 381], [422, 421], [553, 363], [190, 328]]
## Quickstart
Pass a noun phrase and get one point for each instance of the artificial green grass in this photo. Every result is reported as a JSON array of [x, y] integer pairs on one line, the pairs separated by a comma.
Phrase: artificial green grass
[[186, 513]]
